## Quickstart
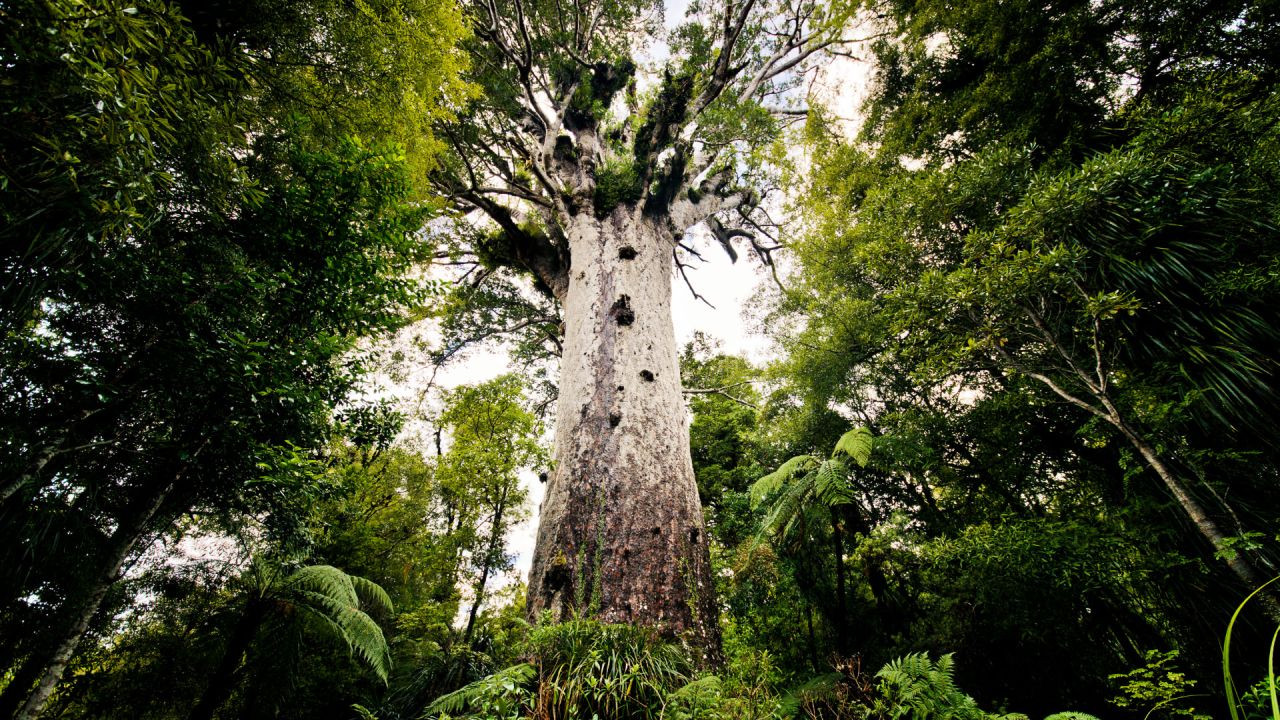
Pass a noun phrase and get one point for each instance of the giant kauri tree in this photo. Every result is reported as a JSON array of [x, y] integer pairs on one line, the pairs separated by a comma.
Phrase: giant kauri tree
[[583, 171]]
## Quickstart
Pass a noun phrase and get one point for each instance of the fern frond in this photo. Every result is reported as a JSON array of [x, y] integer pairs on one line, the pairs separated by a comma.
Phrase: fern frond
[[769, 484], [372, 596], [782, 515], [335, 598], [505, 682], [831, 484], [857, 444], [325, 580]]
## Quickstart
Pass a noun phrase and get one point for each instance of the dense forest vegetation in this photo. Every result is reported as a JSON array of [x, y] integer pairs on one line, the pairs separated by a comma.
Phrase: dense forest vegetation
[[1014, 456]]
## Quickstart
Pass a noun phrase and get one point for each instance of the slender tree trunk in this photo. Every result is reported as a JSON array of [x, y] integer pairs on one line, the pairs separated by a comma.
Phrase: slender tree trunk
[[491, 548], [837, 543], [813, 643], [1208, 528], [621, 536], [1196, 513], [223, 680], [51, 665]]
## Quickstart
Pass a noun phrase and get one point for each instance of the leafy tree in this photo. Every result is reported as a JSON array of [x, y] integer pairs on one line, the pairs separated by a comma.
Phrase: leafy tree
[[1028, 275], [492, 439], [183, 281]]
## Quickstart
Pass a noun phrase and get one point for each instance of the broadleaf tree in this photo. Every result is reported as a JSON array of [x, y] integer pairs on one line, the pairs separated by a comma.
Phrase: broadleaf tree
[[583, 171]]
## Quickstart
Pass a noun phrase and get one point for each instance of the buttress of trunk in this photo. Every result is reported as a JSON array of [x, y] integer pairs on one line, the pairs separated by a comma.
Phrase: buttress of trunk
[[621, 536], [121, 545], [223, 680]]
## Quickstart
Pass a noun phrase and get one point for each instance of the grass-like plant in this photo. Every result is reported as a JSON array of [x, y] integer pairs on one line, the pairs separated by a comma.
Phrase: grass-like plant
[[1234, 703]]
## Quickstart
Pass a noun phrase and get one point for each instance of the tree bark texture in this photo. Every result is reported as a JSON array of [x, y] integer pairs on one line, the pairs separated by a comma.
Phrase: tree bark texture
[[621, 536]]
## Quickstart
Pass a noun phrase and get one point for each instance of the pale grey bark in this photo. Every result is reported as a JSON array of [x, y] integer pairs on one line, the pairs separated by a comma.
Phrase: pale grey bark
[[621, 536]]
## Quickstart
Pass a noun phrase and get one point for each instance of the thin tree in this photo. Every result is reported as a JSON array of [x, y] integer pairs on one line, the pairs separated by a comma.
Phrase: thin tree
[[588, 183]]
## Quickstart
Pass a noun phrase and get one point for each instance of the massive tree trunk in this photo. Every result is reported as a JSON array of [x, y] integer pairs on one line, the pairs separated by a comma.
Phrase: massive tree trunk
[[621, 536]]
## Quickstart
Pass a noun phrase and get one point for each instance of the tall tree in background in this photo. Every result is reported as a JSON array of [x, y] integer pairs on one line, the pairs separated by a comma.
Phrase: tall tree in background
[[185, 264], [588, 184], [492, 438], [1085, 238]]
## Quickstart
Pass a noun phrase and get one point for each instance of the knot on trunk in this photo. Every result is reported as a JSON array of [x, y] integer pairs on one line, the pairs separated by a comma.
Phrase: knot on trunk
[[622, 311]]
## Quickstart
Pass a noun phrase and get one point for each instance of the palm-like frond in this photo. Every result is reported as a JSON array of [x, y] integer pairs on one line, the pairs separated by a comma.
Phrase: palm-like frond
[[787, 508], [336, 599], [372, 596], [831, 484], [769, 484], [805, 478], [857, 444]]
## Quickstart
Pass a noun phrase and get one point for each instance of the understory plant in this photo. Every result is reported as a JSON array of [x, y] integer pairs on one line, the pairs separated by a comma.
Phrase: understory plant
[[587, 670]]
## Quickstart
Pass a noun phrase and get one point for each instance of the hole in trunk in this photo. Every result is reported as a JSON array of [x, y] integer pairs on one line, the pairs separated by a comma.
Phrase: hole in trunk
[[626, 252], [693, 536], [647, 376], [620, 388], [556, 578], [657, 531], [614, 419], [622, 311]]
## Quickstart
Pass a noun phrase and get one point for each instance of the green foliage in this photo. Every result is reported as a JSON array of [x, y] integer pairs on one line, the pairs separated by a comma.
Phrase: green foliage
[[1234, 702], [1156, 687], [917, 688], [619, 671], [805, 478], [617, 183], [496, 697], [856, 444], [343, 602]]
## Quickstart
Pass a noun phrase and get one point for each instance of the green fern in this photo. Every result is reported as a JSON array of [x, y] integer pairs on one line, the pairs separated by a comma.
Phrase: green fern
[[804, 478], [857, 444], [915, 687], [500, 694], [336, 600], [770, 483]]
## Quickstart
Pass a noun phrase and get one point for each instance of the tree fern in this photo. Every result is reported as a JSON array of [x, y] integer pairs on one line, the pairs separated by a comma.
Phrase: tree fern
[[337, 599], [857, 444], [804, 478], [770, 483]]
